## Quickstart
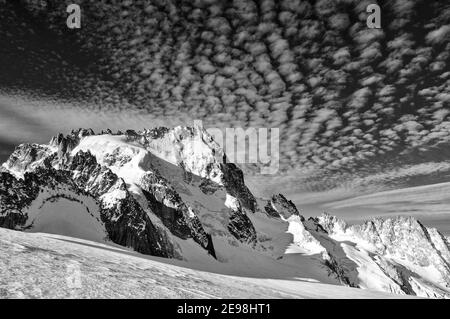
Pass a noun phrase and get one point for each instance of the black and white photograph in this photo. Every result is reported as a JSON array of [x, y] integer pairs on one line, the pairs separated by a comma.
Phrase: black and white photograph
[[225, 149]]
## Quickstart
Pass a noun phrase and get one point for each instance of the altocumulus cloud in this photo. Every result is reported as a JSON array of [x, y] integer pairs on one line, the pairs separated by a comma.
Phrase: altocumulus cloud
[[344, 96]]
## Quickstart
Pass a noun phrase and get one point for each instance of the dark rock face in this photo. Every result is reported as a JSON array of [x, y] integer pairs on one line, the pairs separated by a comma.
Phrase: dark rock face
[[131, 135], [328, 223], [128, 225], [172, 218], [240, 225], [14, 195], [90, 176], [242, 228], [14, 191], [339, 271], [156, 132], [208, 187], [235, 186], [65, 144], [278, 206], [270, 210], [167, 204], [314, 224]]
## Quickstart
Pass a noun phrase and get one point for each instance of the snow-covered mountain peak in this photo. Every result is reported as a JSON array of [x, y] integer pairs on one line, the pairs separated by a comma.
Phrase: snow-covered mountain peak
[[191, 148], [170, 192], [159, 172]]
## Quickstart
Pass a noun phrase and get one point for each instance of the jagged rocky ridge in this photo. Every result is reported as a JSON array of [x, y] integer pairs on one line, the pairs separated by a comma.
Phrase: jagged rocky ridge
[[126, 215], [158, 188], [400, 238], [398, 255], [125, 221]]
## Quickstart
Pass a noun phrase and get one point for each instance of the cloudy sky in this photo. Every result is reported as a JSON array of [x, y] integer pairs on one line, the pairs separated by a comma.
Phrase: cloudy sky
[[355, 106]]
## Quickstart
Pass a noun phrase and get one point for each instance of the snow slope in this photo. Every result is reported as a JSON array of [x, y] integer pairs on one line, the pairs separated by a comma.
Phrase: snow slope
[[61, 211], [50, 266]]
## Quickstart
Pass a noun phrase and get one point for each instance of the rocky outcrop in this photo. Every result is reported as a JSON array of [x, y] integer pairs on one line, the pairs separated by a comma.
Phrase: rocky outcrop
[[27, 157], [14, 196], [241, 227], [278, 206], [401, 248], [233, 181], [167, 204], [128, 225]]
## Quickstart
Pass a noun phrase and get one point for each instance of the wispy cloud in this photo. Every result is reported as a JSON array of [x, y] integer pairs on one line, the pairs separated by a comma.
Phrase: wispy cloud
[[37, 120]]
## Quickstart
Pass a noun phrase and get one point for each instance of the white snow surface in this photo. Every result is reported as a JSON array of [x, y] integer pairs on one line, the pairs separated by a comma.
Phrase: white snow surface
[[52, 266], [63, 212]]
